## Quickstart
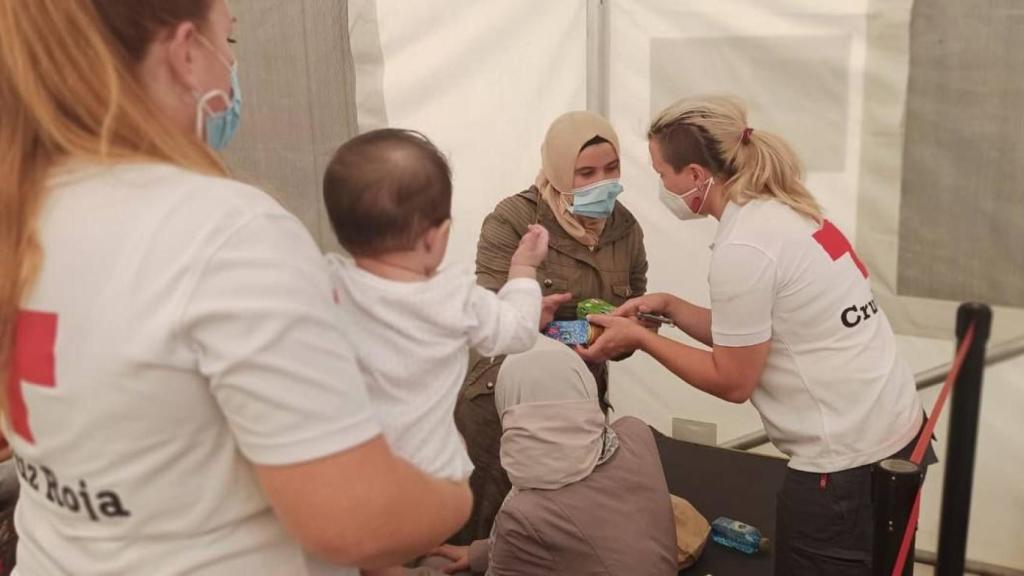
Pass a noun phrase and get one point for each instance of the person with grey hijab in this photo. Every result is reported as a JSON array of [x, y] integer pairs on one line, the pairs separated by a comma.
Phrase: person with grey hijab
[[587, 498]]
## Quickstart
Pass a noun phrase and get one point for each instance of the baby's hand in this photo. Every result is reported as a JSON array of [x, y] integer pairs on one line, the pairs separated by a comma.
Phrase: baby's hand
[[533, 247]]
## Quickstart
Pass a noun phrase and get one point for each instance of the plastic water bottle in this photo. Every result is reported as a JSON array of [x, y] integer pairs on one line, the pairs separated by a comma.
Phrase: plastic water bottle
[[737, 535]]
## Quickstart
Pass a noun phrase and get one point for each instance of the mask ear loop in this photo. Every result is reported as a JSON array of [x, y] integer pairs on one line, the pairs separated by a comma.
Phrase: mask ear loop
[[707, 192], [203, 108], [561, 198], [203, 104]]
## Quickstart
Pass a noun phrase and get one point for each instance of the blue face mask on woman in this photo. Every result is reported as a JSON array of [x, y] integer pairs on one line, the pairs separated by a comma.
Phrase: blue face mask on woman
[[217, 128], [596, 200]]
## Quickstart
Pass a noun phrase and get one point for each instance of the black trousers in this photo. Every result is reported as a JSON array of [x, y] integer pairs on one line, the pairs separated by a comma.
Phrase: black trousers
[[824, 523]]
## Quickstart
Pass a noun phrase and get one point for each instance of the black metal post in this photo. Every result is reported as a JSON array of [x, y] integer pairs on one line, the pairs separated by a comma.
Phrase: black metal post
[[961, 440], [894, 486]]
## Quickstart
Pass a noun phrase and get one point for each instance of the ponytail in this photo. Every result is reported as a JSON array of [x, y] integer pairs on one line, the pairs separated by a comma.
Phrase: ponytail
[[712, 132]]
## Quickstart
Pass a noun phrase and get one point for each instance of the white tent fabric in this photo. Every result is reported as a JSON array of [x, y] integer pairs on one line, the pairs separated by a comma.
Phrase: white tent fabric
[[961, 160], [883, 180], [484, 80], [297, 84], [481, 79]]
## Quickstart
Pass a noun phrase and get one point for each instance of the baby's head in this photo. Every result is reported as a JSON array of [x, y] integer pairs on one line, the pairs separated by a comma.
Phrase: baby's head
[[389, 192]]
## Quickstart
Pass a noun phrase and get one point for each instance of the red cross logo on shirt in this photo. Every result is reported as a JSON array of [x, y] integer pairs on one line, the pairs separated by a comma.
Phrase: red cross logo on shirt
[[835, 244], [32, 362]]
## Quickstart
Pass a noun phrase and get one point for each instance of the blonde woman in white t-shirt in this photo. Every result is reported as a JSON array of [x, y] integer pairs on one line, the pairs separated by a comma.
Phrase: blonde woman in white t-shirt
[[793, 327], [180, 399]]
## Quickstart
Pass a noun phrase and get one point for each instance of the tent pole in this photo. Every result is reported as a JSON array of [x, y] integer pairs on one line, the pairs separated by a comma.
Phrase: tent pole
[[598, 41]]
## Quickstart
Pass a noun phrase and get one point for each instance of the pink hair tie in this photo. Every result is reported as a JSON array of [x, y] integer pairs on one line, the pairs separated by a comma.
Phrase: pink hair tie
[[745, 138]]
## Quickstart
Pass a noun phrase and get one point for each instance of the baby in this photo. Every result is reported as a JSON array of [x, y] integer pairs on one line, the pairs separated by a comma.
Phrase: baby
[[388, 194]]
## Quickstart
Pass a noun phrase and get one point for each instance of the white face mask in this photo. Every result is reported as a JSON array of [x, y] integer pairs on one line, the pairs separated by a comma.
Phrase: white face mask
[[678, 205]]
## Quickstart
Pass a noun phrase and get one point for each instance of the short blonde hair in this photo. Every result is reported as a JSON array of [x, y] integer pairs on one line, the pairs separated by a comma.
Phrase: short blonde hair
[[712, 131]]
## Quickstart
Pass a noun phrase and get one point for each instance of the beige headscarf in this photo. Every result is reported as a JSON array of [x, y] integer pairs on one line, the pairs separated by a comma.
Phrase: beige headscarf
[[562, 144], [553, 430], [554, 433]]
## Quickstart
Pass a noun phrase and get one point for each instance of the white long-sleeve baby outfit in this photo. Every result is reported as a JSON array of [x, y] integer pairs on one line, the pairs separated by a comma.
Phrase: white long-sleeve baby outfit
[[412, 342]]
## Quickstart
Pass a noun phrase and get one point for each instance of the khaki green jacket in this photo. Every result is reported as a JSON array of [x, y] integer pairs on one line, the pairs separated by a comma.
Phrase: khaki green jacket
[[616, 270]]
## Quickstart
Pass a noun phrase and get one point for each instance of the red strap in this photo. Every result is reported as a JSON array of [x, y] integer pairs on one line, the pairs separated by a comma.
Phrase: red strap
[[901, 559], [940, 402], [922, 445]]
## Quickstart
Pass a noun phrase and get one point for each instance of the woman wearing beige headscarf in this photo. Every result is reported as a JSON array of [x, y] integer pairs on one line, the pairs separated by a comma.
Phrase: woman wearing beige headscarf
[[586, 498], [596, 251]]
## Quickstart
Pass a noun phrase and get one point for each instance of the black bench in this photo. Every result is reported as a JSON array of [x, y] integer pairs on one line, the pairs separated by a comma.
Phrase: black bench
[[722, 482]]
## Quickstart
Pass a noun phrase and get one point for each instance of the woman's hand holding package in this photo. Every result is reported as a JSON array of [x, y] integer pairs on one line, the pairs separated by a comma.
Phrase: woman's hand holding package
[[621, 336], [658, 303], [690, 318]]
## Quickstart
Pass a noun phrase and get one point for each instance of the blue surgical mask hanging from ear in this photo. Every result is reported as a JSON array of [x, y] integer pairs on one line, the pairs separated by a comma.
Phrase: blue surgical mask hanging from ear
[[596, 200], [217, 128]]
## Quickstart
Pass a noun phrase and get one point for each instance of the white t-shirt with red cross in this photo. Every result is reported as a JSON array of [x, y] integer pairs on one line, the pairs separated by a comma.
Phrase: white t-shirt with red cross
[[835, 394], [181, 329]]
